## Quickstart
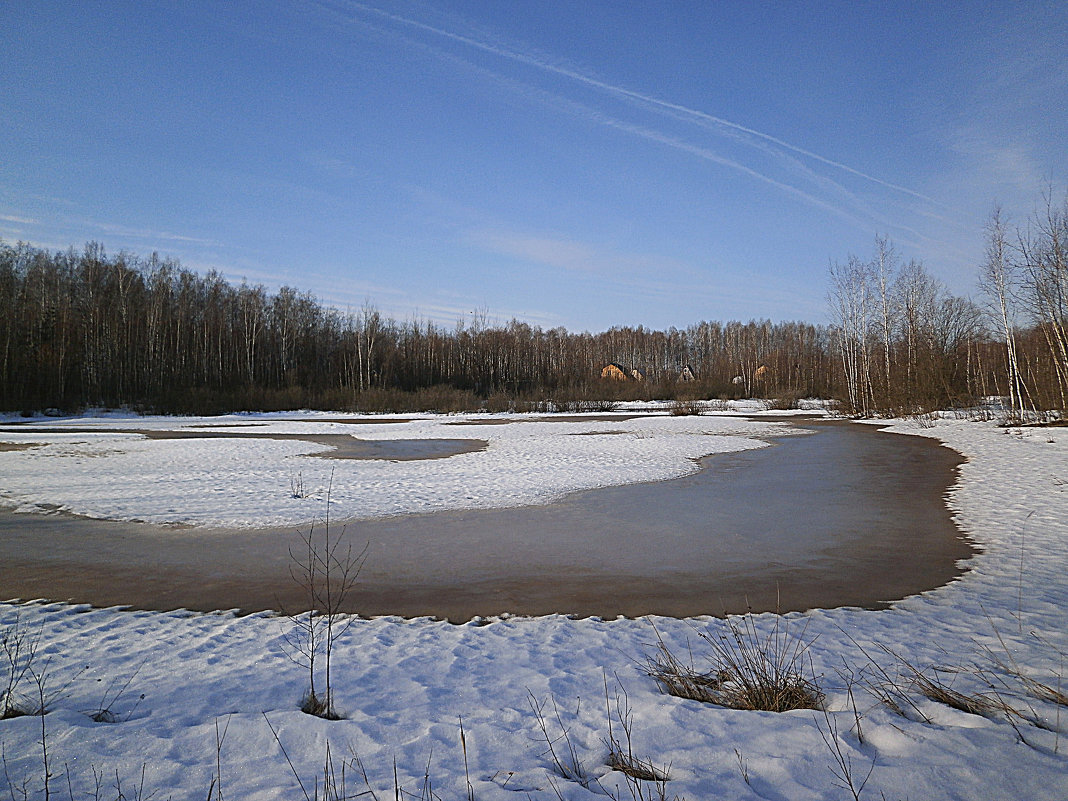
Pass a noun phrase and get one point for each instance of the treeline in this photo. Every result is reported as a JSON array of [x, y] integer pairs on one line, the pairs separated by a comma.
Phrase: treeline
[[906, 344], [1025, 274], [81, 329], [84, 329]]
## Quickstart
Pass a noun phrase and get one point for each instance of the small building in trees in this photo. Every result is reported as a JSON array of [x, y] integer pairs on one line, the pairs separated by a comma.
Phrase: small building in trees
[[686, 374], [614, 372], [637, 375]]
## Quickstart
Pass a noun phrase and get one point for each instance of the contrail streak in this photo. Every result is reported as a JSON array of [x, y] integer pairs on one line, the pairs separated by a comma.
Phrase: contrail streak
[[629, 94], [585, 112]]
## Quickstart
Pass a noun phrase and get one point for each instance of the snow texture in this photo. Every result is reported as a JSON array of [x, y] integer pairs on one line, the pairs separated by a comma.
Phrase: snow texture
[[404, 685]]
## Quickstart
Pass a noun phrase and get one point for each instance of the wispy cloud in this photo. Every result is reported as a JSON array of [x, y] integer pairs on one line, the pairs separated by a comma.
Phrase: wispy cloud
[[144, 233], [563, 253], [658, 282], [1010, 164], [80, 228], [332, 165], [809, 177], [401, 302], [11, 218], [421, 304], [641, 98]]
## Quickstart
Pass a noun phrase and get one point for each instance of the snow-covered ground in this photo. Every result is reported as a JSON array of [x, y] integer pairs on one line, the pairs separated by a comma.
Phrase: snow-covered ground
[[93, 466], [403, 686]]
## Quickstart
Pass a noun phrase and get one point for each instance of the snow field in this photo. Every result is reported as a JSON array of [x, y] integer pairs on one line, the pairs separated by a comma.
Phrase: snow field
[[403, 685], [233, 483]]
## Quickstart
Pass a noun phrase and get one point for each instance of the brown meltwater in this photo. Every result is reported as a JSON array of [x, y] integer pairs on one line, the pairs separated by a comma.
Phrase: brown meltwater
[[844, 515]]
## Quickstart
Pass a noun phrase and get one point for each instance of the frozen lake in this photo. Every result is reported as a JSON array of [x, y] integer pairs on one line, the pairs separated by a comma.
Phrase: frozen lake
[[845, 515]]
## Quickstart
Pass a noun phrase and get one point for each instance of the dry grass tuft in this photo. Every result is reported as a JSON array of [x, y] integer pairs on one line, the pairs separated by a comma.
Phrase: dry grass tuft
[[635, 768], [20, 709], [977, 704], [1007, 664], [683, 408], [748, 669], [1043, 691], [991, 705], [681, 680], [319, 705]]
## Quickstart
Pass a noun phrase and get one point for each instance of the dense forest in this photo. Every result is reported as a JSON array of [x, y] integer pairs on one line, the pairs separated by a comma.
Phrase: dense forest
[[80, 329]]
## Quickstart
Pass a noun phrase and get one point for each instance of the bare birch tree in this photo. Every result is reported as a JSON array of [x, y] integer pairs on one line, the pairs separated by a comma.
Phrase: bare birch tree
[[917, 293], [998, 280], [851, 306], [1044, 256], [884, 270]]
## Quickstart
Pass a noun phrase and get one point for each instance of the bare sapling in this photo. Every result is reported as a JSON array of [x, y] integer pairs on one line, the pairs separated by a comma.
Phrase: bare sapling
[[296, 487], [559, 748], [46, 769], [19, 647], [844, 769], [113, 693], [326, 567], [644, 780]]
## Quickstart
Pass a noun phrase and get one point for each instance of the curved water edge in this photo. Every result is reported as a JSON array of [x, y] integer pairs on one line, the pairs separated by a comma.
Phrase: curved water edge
[[846, 516], [340, 446]]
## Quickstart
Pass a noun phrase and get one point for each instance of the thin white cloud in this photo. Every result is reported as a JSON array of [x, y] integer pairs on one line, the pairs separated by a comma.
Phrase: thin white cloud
[[439, 307], [143, 233], [1008, 163], [332, 165], [11, 218], [636, 276], [81, 229], [567, 254], [47, 245], [398, 302], [620, 92], [563, 254]]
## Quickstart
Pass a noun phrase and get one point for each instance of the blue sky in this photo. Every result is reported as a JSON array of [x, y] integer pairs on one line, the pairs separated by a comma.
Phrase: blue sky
[[583, 164]]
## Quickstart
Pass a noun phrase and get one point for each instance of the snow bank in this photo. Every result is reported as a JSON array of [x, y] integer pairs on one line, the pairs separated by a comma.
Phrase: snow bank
[[403, 685]]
